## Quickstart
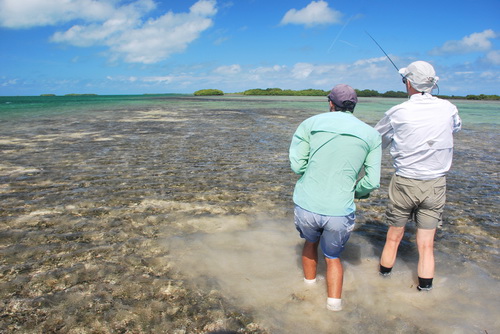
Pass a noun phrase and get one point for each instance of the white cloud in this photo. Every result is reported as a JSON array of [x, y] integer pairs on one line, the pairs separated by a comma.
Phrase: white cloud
[[262, 69], [163, 79], [302, 70], [478, 41], [122, 78], [220, 40], [489, 75], [267, 73], [316, 13], [123, 29], [135, 41], [158, 39], [204, 8], [370, 73], [493, 57], [374, 68], [362, 62], [119, 22], [32, 13], [228, 70], [10, 82]]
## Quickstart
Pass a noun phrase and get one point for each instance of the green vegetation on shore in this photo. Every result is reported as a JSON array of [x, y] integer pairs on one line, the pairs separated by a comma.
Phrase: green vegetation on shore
[[479, 97], [286, 92], [207, 92], [319, 92]]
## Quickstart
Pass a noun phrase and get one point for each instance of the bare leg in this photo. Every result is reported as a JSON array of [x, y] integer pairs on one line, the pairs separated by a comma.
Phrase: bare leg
[[394, 236], [425, 244], [310, 259], [334, 277]]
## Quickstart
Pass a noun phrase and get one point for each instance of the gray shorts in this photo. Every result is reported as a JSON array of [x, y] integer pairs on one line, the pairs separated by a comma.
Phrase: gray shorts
[[332, 231], [420, 200]]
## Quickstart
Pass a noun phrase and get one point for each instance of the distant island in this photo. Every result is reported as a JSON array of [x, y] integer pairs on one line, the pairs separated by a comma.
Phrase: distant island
[[319, 92], [208, 92]]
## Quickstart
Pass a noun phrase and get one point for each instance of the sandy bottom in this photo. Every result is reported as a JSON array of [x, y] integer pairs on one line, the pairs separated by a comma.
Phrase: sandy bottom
[[179, 220]]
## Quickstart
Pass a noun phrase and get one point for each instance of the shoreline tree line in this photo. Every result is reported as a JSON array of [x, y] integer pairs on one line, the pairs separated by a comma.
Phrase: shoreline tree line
[[320, 92]]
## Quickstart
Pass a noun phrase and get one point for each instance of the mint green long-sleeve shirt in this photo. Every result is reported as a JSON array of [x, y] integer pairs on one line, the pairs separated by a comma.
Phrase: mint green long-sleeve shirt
[[329, 150]]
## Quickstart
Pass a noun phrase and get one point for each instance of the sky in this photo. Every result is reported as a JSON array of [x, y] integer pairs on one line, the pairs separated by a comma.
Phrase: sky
[[158, 46]]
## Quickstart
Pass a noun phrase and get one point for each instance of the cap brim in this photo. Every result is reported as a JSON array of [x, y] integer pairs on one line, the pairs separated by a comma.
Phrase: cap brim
[[403, 71]]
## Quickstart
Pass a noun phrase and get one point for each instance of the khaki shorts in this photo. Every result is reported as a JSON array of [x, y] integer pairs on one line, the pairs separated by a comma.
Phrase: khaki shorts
[[420, 200]]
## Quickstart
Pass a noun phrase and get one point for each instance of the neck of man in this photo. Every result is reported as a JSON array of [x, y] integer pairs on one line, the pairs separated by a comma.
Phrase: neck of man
[[412, 91]]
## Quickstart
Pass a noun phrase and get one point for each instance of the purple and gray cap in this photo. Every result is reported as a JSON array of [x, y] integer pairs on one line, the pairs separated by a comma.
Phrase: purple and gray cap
[[344, 97]]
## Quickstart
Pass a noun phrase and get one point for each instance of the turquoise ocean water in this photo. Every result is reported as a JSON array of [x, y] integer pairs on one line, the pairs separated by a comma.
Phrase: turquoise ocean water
[[105, 199], [473, 112]]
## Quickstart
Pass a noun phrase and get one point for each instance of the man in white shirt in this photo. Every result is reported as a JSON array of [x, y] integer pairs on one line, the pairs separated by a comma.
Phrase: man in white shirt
[[420, 134]]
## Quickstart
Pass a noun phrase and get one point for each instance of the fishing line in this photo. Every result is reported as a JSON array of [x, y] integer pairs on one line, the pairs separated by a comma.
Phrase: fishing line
[[338, 35]]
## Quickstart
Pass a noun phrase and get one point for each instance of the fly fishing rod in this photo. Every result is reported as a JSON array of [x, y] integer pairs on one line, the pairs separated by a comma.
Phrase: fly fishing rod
[[397, 69]]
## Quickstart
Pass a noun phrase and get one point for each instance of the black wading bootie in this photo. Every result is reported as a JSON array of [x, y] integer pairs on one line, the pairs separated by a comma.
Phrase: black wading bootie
[[384, 271], [424, 284]]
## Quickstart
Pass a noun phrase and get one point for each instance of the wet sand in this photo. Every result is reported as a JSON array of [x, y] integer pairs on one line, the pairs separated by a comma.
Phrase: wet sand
[[179, 220]]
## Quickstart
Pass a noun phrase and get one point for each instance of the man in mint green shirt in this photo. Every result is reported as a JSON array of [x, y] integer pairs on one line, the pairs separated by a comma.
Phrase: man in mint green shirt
[[329, 151]]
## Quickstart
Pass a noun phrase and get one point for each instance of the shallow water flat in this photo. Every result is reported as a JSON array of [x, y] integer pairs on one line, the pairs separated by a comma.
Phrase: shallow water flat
[[170, 213]]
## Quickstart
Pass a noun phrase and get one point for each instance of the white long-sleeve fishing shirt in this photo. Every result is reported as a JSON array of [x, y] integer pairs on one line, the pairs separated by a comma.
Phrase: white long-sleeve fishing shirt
[[420, 132]]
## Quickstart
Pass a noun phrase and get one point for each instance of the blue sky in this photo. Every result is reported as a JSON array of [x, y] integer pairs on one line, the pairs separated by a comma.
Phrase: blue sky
[[155, 46]]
